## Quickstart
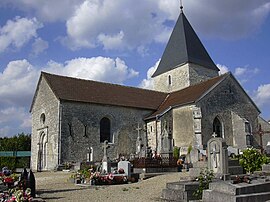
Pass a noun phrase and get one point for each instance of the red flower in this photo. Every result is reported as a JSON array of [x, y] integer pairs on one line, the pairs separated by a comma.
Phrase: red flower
[[8, 180]]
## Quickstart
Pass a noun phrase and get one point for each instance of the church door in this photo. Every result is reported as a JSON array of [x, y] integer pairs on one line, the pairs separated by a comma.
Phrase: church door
[[42, 152], [217, 127]]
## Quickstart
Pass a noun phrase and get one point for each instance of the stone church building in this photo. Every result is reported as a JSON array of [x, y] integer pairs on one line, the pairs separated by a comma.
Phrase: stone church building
[[71, 118]]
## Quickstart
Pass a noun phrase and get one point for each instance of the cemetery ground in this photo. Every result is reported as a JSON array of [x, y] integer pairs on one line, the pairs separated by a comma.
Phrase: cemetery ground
[[54, 186]]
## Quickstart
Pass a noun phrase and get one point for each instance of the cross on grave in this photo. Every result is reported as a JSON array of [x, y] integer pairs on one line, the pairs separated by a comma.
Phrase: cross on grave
[[138, 129], [215, 152], [214, 135], [105, 147], [139, 140]]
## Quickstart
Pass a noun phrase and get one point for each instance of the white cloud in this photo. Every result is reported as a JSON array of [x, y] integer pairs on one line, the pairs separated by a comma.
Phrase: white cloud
[[98, 68], [262, 95], [39, 46], [18, 32], [148, 82], [244, 74], [128, 24], [17, 83], [223, 69], [227, 19], [47, 11], [116, 24], [111, 42]]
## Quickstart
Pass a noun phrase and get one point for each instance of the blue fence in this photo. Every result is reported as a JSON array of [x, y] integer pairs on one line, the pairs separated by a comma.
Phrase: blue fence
[[16, 153]]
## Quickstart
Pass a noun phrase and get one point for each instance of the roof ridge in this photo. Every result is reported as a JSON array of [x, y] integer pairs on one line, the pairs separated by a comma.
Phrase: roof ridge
[[101, 82]]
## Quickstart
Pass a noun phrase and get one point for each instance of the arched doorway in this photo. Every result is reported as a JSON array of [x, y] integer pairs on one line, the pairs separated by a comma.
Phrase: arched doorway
[[217, 127], [105, 130], [42, 152]]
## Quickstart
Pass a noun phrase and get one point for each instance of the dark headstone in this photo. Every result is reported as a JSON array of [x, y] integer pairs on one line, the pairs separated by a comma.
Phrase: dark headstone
[[24, 176], [31, 183]]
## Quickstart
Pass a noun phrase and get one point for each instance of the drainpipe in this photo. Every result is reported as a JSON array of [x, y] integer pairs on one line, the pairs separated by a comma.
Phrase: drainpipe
[[156, 134], [60, 134]]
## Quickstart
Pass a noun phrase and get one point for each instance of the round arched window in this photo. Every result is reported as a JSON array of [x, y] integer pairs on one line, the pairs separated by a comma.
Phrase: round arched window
[[42, 118]]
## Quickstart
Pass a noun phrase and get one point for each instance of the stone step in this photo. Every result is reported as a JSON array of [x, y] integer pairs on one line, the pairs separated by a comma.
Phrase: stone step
[[183, 185], [211, 195], [241, 188], [172, 195], [176, 195]]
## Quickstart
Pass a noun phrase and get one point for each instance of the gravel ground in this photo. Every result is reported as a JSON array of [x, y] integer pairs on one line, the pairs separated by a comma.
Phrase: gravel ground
[[54, 186]]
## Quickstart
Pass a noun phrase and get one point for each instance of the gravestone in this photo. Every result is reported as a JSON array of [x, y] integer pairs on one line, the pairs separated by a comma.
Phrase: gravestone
[[106, 164], [267, 149], [31, 183], [90, 154], [218, 156], [126, 166], [140, 151]]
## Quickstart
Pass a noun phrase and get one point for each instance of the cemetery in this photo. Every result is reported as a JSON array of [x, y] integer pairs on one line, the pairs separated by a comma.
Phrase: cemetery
[[211, 177]]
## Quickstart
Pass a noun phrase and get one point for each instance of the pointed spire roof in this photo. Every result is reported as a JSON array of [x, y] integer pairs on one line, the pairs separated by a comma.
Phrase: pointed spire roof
[[184, 46]]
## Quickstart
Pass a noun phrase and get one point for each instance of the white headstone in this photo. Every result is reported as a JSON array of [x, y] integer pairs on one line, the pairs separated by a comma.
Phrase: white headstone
[[126, 166], [217, 156]]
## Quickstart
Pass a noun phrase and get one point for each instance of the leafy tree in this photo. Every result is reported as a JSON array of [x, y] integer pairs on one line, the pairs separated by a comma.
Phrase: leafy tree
[[20, 142], [252, 160]]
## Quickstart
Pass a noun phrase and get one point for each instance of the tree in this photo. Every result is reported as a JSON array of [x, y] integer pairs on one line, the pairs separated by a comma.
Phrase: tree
[[20, 142]]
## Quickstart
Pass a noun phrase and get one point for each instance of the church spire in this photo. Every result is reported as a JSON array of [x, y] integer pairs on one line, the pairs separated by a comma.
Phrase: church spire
[[184, 46]]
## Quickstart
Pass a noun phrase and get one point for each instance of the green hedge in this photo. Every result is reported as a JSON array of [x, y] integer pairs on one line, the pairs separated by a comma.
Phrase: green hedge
[[13, 162]]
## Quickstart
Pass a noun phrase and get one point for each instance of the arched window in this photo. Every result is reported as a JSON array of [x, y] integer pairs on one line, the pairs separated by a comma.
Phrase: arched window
[[249, 137], [105, 129], [169, 80], [217, 127], [42, 118]]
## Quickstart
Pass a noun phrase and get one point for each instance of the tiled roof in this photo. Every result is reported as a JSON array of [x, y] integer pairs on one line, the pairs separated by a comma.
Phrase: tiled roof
[[79, 90], [187, 95]]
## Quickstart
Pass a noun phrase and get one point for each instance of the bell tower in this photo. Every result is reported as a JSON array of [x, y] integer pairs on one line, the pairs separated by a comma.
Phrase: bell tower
[[185, 61]]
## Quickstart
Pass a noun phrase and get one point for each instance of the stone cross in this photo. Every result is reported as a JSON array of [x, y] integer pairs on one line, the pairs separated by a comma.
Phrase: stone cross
[[214, 152], [214, 135], [138, 129], [139, 140], [105, 147]]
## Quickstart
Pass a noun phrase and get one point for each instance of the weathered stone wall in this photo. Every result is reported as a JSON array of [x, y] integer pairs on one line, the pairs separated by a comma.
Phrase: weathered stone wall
[[179, 79], [227, 97], [151, 134], [198, 74], [183, 130], [45, 102], [75, 143], [265, 127], [182, 77]]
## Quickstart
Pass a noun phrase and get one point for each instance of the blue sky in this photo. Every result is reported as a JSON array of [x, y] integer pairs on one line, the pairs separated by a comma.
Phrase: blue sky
[[121, 41]]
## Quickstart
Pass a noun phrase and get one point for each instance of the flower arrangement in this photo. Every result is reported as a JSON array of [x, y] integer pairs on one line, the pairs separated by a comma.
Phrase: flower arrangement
[[16, 195], [121, 171]]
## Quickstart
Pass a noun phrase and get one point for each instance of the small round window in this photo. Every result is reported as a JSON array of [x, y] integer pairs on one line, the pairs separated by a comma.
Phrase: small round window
[[42, 118]]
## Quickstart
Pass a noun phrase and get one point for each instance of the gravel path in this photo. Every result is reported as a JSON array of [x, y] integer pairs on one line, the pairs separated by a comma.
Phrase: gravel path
[[54, 186]]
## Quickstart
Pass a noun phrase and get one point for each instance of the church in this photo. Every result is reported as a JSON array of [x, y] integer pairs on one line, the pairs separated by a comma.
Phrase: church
[[71, 117]]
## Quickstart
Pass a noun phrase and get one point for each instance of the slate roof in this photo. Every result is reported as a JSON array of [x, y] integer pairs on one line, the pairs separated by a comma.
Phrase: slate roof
[[187, 95], [184, 46], [79, 90]]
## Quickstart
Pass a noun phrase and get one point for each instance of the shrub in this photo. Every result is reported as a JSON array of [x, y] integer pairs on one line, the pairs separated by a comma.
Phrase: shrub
[[176, 152], [252, 160], [205, 178]]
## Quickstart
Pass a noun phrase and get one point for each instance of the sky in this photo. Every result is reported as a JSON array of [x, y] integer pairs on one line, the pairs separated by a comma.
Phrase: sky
[[122, 41]]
